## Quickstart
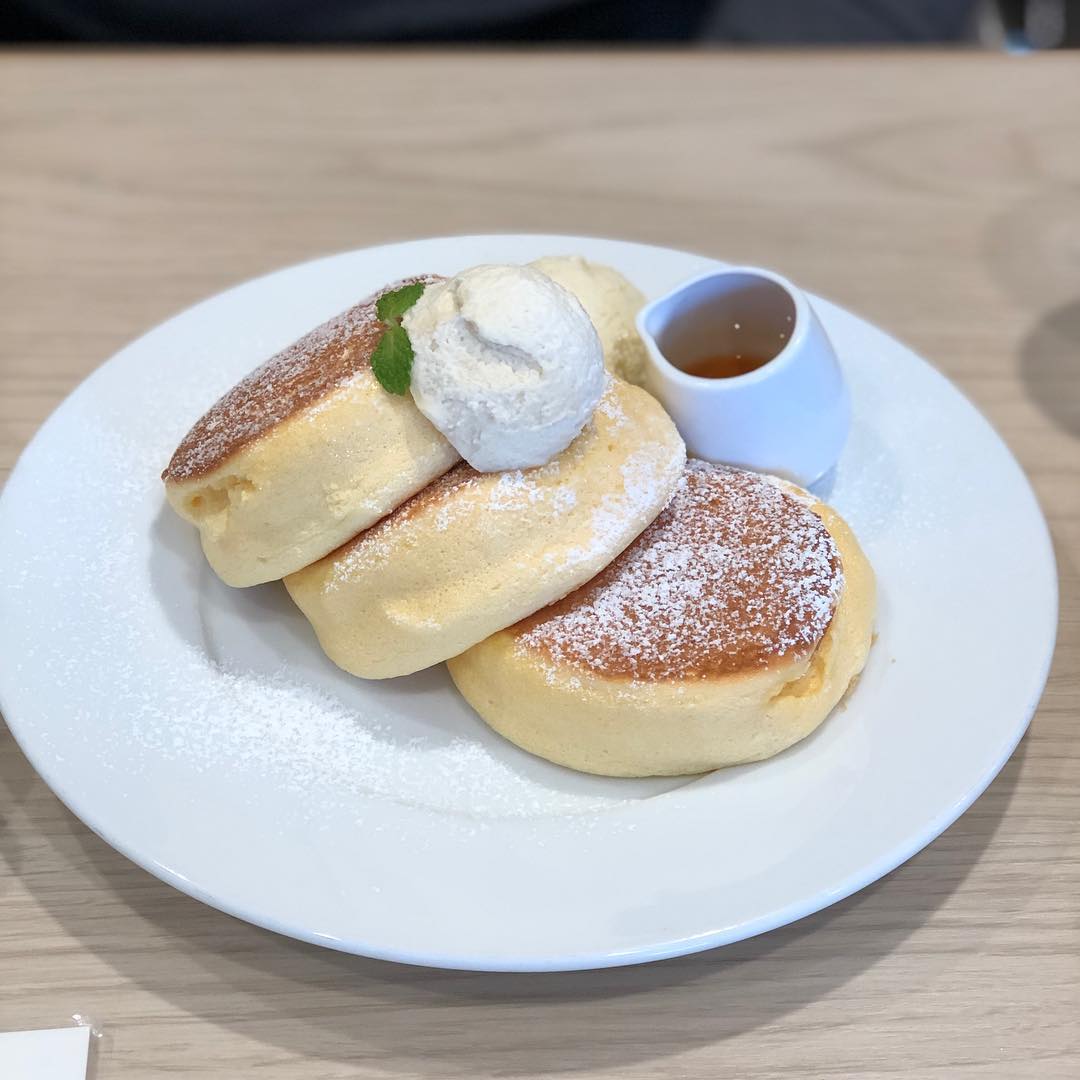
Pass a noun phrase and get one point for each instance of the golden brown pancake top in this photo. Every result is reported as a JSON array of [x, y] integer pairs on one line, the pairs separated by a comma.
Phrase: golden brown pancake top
[[733, 574], [298, 376]]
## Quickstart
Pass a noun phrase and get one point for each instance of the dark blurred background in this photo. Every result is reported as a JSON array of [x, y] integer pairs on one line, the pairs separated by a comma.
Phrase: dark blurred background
[[1013, 24]]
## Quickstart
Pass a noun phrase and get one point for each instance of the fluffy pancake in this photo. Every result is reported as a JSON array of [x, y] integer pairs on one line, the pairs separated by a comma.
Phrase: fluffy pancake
[[475, 552], [303, 453], [728, 631]]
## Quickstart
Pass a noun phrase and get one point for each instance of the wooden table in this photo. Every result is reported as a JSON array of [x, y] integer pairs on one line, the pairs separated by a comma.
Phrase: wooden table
[[936, 194]]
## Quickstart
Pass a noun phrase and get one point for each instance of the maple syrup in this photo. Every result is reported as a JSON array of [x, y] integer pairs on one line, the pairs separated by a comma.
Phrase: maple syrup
[[725, 365]]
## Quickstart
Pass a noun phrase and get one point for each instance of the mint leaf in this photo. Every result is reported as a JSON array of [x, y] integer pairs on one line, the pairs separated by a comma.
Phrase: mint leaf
[[392, 360], [392, 305]]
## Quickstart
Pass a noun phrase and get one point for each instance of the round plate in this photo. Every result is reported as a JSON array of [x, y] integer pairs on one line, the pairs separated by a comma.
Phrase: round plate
[[202, 733]]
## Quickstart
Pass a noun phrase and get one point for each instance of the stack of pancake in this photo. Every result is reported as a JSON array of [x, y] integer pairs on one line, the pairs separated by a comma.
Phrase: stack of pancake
[[617, 610]]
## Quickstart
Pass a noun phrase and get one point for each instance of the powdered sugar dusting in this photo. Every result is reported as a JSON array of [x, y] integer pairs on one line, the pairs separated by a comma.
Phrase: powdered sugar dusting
[[487, 498], [324, 360], [610, 406], [733, 573], [644, 473]]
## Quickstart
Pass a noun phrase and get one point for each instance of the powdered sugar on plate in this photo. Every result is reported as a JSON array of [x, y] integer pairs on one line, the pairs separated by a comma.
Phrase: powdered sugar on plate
[[317, 748]]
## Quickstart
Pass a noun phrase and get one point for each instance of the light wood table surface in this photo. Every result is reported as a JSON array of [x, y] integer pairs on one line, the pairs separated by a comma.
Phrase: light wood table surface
[[936, 194]]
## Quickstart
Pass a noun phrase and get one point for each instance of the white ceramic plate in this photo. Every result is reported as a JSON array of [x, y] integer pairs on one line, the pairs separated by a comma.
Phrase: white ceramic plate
[[200, 731]]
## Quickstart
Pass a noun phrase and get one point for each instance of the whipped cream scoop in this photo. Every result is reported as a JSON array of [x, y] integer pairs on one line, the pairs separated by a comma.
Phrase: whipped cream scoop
[[506, 364]]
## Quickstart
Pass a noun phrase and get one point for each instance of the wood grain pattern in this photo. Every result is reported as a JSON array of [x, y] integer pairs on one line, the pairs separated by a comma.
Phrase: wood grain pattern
[[938, 195]]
